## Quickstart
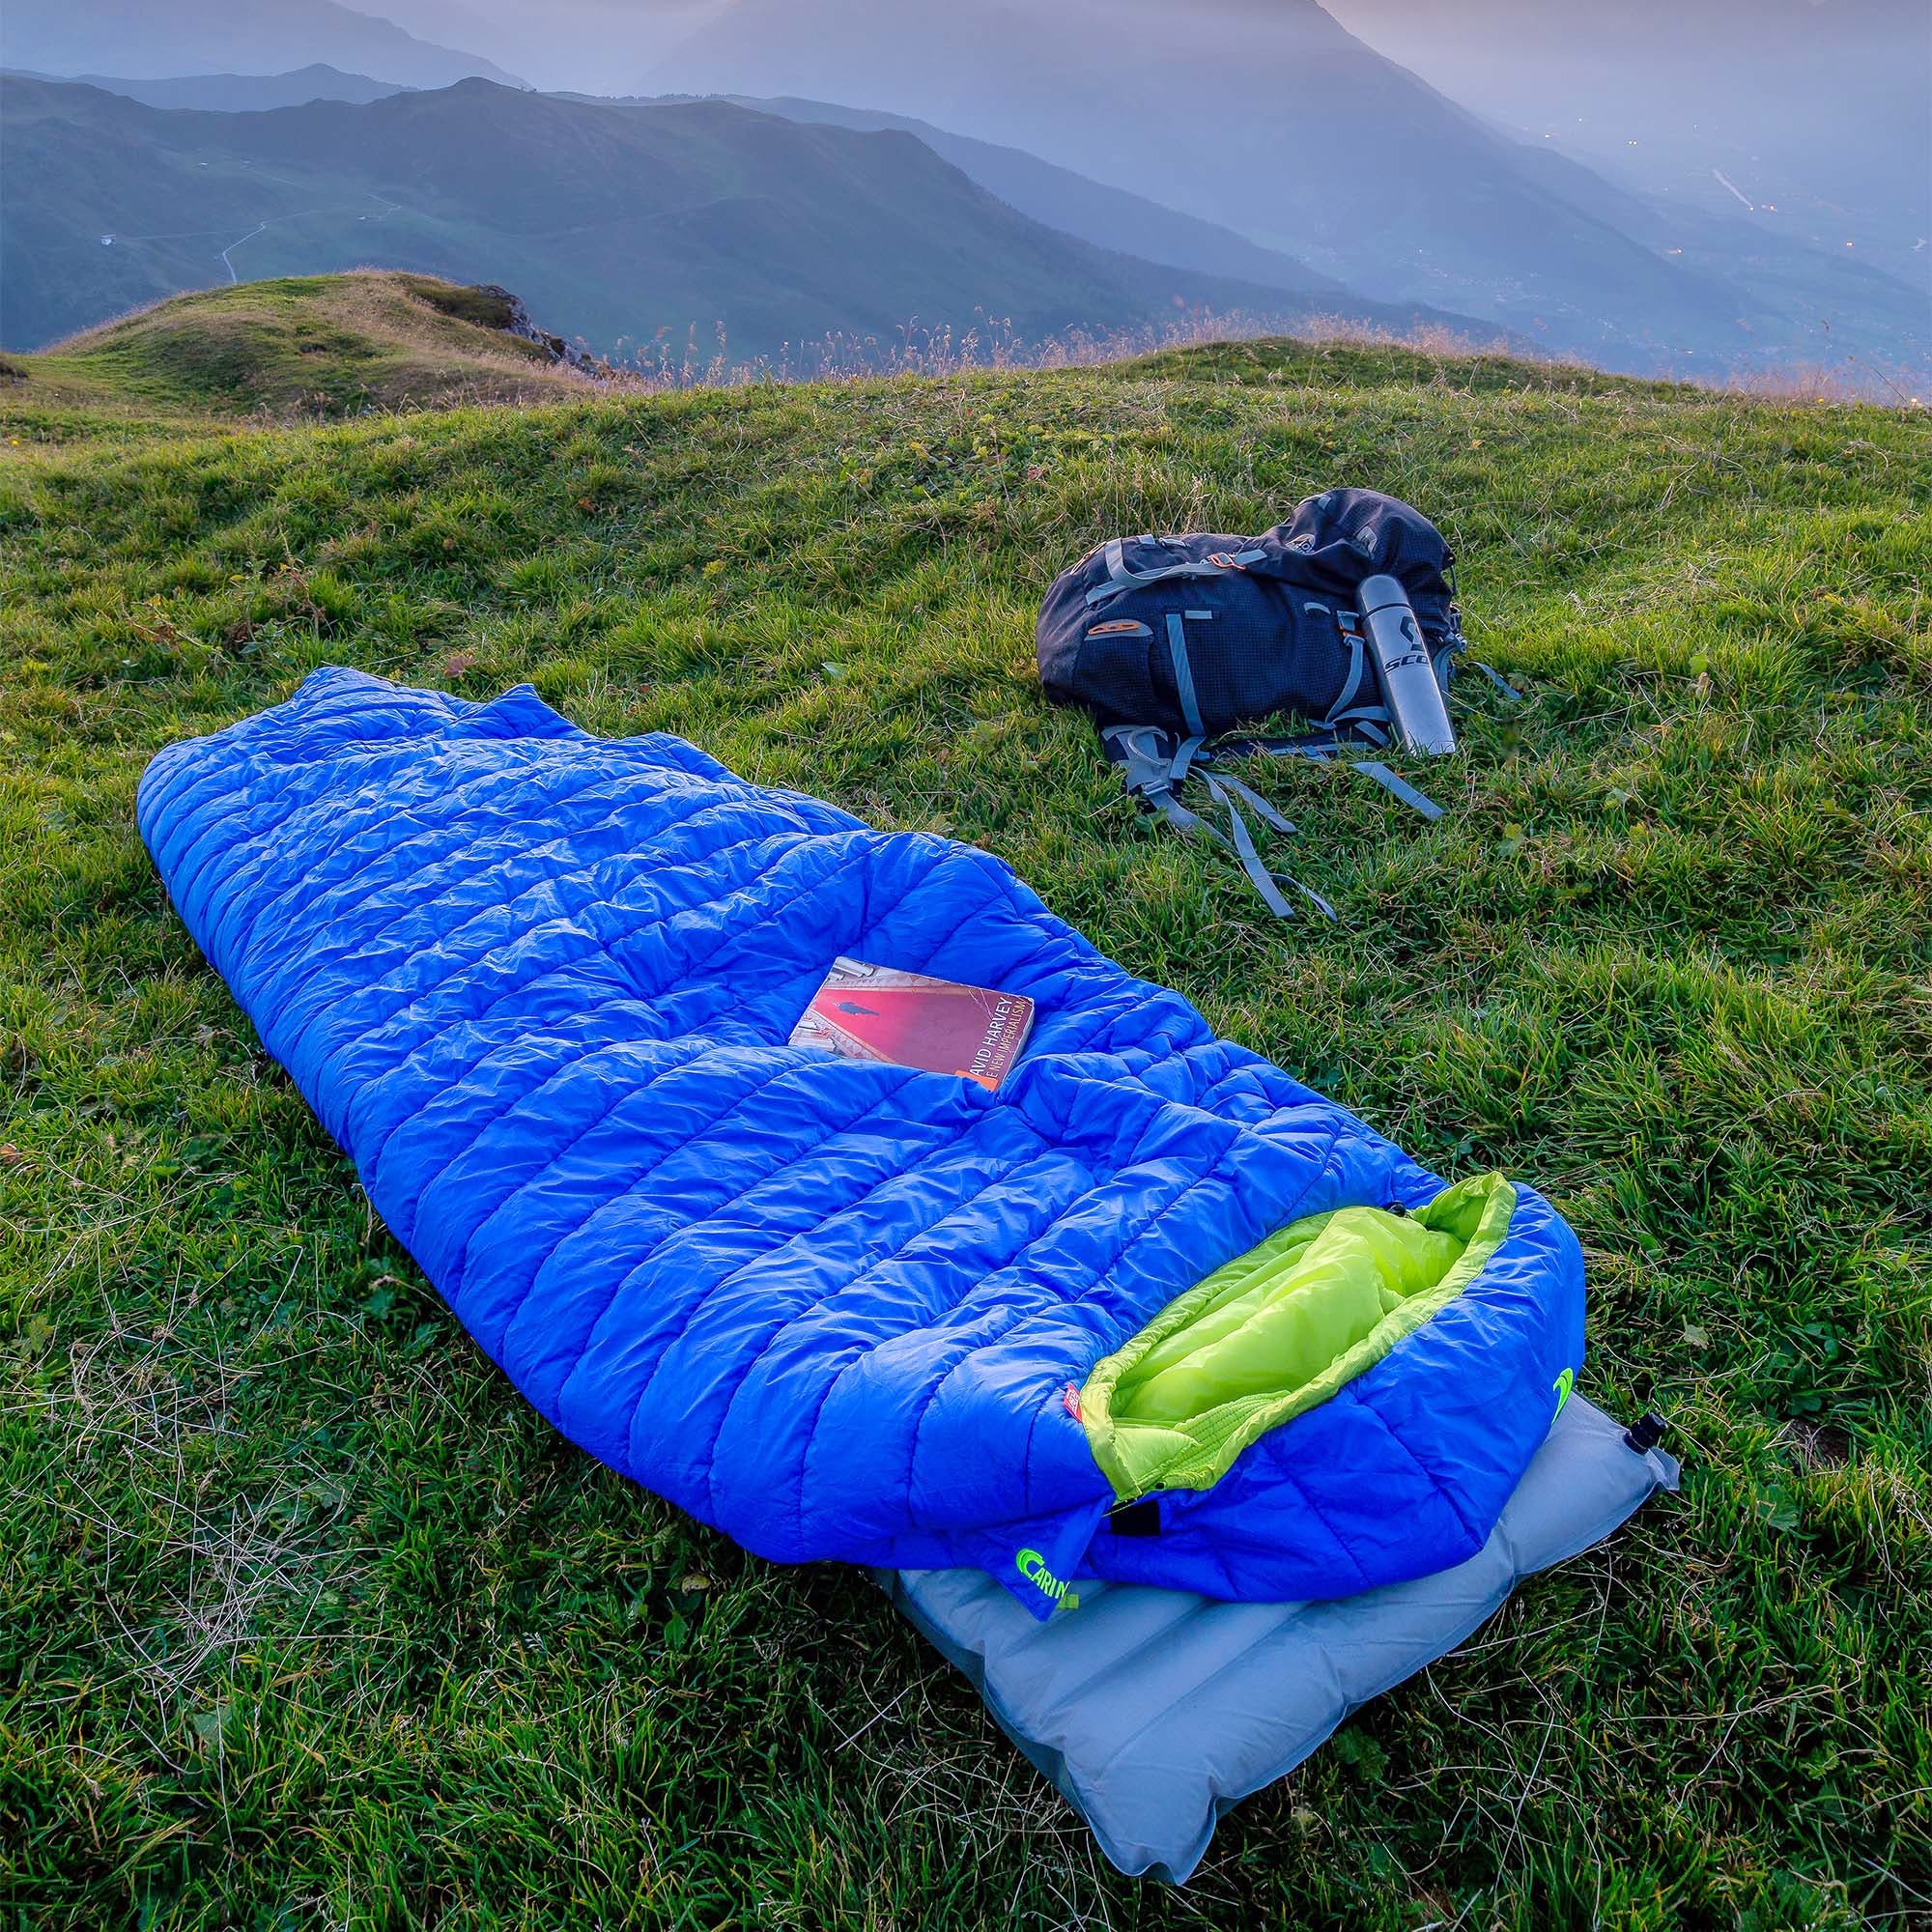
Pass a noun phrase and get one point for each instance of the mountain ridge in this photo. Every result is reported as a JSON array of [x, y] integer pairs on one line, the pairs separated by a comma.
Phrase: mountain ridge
[[249, 37], [626, 225], [1277, 122], [237, 93], [1109, 217], [1631, 90]]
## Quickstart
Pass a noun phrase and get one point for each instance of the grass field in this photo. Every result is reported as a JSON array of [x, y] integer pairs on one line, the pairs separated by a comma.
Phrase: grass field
[[306, 1620]]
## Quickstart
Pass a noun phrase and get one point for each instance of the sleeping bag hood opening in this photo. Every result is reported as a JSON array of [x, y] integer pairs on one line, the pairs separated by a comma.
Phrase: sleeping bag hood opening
[[1279, 1330]]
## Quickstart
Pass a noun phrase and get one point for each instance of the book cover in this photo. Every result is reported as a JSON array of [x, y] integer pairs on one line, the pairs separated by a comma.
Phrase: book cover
[[909, 1019]]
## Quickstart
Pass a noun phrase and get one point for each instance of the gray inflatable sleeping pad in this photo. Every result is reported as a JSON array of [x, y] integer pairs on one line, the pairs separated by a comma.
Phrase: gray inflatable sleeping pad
[[1154, 1711]]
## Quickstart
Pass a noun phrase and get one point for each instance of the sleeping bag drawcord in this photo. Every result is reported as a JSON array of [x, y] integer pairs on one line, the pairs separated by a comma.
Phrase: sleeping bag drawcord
[[1141, 1518]]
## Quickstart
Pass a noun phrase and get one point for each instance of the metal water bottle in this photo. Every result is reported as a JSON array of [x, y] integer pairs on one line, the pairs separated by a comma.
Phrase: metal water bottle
[[1408, 684]]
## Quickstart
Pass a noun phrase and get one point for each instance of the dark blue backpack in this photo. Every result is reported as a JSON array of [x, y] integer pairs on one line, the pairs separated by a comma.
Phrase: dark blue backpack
[[1171, 643]]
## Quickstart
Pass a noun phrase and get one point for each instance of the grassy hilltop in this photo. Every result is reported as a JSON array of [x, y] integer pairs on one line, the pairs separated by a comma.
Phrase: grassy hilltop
[[306, 1620], [305, 348]]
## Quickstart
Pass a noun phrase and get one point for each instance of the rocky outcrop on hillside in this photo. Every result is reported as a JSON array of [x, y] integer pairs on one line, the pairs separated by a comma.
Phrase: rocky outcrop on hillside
[[519, 322]]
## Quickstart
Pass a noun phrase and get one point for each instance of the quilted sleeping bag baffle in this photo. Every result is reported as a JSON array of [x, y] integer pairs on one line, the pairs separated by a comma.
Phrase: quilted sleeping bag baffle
[[1154, 1312]]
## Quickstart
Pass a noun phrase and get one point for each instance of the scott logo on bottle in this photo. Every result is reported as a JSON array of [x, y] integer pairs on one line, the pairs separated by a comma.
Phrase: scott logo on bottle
[[1410, 687]]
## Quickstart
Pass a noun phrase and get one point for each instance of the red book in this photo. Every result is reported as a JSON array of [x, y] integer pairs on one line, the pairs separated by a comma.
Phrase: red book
[[909, 1019]]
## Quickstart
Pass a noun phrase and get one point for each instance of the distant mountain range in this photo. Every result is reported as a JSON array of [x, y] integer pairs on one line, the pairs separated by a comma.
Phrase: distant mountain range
[[1266, 116], [1109, 218], [622, 224], [241, 92], [161, 39], [1676, 97], [1244, 154]]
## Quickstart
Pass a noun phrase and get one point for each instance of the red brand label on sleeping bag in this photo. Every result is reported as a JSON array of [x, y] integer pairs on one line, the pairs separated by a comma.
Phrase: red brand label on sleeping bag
[[909, 1019]]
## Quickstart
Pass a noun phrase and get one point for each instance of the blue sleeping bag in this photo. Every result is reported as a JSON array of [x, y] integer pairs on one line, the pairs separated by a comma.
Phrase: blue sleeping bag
[[1154, 1312]]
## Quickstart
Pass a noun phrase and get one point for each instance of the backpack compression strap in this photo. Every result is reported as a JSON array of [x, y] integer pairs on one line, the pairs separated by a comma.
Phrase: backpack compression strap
[[1153, 763], [1120, 574], [1357, 717], [1353, 717]]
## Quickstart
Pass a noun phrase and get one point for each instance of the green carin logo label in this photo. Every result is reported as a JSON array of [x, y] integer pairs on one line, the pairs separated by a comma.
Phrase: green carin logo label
[[1563, 1385], [1032, 1565]]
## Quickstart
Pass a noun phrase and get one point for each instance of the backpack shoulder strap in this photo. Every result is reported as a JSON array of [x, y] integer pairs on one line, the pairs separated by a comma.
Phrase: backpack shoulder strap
[[1153, 762]]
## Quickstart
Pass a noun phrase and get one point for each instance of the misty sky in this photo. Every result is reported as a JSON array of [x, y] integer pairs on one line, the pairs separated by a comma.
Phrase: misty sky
[[1500, 44]]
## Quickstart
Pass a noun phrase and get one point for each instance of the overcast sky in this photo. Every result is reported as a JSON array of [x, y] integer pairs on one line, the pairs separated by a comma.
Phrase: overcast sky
[[574, 42], [596, 45]]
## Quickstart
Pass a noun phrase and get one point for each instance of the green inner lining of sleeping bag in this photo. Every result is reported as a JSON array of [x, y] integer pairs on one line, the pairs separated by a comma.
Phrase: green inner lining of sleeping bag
[[1279, 1330]]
